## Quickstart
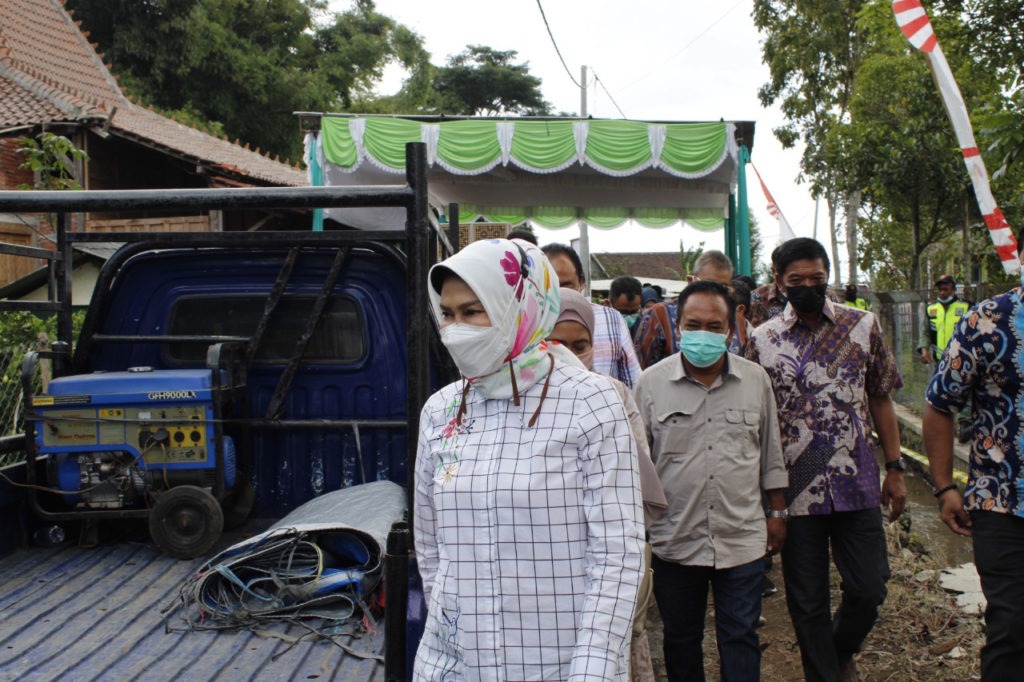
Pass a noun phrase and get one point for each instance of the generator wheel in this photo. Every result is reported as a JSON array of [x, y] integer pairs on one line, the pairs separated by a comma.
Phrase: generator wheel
[[186, 521]]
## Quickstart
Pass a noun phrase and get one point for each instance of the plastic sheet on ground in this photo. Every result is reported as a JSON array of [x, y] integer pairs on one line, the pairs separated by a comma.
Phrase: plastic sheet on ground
[[314, 573]]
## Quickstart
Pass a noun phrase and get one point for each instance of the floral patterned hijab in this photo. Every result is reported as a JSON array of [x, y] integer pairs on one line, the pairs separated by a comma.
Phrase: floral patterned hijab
[[518, 288]]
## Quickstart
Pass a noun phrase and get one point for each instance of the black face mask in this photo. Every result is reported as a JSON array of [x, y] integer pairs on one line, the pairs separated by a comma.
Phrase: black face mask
[[807, 300]]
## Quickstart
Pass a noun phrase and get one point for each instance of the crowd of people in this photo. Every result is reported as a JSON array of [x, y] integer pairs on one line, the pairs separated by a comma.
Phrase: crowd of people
[[593, 457]]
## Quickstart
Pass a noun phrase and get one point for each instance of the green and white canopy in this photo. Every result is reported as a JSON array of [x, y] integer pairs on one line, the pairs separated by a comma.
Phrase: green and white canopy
[[552, 172]]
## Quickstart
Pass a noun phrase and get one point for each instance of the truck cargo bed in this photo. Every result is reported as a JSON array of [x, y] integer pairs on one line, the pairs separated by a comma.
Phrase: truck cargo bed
[[70, 613]]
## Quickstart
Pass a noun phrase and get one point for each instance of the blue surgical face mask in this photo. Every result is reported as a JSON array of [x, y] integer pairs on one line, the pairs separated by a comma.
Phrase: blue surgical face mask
[[702, 348], [945, 299], [631, 319]]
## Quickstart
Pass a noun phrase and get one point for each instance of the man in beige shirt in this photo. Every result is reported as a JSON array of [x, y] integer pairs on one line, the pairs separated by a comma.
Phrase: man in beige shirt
[[712, 424]]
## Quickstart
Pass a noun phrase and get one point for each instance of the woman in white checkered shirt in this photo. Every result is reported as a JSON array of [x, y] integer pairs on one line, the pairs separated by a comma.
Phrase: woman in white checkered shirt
[[528, 521]]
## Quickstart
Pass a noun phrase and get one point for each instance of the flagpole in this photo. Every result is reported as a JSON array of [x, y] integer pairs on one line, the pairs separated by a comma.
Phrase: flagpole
[[785, 230]]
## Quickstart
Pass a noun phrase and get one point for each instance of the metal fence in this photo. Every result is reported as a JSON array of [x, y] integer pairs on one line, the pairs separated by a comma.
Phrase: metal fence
[[902, 316], [11, 409]]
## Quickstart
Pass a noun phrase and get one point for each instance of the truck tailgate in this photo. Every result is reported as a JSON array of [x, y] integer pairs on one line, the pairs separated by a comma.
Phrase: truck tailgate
[[90, 614]]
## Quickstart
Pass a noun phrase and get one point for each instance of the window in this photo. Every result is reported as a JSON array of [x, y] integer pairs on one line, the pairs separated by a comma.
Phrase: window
[[338, 338]]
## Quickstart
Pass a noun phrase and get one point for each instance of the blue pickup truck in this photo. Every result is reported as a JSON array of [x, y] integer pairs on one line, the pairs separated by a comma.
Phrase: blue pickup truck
[[259, 371]]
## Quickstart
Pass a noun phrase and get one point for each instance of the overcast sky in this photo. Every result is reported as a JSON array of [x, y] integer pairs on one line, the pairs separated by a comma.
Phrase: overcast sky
[[673, 60]]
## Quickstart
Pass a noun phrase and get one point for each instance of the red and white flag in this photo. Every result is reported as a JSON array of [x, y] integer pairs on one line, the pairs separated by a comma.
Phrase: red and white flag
[[785, 231], [913, 21]]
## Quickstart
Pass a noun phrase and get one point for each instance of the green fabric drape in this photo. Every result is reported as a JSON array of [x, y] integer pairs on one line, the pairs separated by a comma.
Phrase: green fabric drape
[[339, 147], [385, 139], [689, 146], [474, 146], [467, 145], [618, 145], [705, 224], [544, 145]]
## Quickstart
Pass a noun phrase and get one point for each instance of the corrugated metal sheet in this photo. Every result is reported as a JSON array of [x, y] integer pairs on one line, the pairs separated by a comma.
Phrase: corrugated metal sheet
[[95, 614]]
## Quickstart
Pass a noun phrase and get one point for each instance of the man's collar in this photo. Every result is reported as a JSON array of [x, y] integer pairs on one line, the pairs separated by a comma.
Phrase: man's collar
[[774, 295], [789, 316], [679, 372]]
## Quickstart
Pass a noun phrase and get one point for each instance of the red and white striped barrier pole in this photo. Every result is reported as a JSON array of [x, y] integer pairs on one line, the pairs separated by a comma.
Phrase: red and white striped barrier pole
[[913, 21]]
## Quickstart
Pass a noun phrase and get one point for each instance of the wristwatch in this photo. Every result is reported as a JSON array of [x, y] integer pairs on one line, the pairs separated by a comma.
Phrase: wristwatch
[[899, 464], [778, 514]]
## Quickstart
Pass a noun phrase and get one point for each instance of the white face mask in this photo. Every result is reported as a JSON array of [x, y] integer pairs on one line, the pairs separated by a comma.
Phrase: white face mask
[[474, 349]]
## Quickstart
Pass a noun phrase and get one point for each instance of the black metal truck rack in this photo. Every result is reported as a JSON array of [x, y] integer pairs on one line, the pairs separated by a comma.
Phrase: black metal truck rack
[[420, 244]]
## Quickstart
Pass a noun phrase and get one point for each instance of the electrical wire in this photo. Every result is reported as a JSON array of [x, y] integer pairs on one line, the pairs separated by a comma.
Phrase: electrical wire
[[555, 45], [601, 82], [33, 228], [55, 491], [284, 578], [687, 46]]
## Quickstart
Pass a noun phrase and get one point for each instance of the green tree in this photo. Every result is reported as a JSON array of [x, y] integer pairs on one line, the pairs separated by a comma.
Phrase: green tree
[[248, 64], [994, 27], [813, 51], [485, 81], [899, 145], [876, 134], [688, 257]]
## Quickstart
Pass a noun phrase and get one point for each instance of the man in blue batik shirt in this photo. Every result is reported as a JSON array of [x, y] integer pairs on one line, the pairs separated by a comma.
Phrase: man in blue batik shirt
[[984, 362]]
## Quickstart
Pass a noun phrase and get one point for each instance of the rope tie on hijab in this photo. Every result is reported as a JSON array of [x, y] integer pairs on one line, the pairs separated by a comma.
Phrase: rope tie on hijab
[[461, 414]]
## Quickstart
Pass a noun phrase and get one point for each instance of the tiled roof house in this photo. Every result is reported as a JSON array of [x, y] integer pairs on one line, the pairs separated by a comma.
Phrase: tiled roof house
[[664, 265], [51, 78]]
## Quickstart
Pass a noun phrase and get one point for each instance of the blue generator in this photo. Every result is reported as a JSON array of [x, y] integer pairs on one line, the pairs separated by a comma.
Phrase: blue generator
[[141, 439]]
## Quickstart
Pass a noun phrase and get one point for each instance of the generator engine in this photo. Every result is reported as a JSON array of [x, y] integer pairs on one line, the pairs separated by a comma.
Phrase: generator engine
[[114, 438], [105, 480]]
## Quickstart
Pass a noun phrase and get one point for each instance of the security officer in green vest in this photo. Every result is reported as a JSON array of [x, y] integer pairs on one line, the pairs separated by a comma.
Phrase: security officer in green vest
[[853, 299], [942, 318]]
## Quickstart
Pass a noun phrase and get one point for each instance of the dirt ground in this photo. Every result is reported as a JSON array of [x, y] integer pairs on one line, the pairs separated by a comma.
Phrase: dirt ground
[[920, 635]]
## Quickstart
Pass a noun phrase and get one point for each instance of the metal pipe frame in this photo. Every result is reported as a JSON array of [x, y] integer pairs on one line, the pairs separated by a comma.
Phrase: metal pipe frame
[[420, 239]]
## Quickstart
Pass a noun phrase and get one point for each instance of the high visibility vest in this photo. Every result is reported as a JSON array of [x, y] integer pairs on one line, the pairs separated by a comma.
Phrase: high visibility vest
[[943, 321], [859, 303]]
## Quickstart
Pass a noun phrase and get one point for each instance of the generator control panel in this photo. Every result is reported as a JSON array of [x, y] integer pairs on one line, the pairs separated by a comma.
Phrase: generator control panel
[[176, 433], [161, 417]]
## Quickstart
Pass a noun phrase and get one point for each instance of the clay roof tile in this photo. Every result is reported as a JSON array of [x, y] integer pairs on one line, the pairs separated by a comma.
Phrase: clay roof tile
[[49, 72]]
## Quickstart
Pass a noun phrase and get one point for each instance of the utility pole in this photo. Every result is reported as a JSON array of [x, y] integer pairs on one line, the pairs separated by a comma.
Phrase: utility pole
[[583, 91], [584, 232], [817, 200]]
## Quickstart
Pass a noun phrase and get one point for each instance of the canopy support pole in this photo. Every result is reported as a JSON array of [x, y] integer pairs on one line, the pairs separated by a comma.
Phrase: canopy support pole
[[585, 255], [730, 232], [316, 173], [742, 214]]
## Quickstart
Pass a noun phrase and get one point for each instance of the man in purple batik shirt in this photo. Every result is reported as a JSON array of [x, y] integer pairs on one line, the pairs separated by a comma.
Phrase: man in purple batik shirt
[[833, 377]]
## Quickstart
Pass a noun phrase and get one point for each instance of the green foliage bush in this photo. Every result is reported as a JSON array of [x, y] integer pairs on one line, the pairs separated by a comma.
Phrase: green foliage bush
[[19, 333]]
